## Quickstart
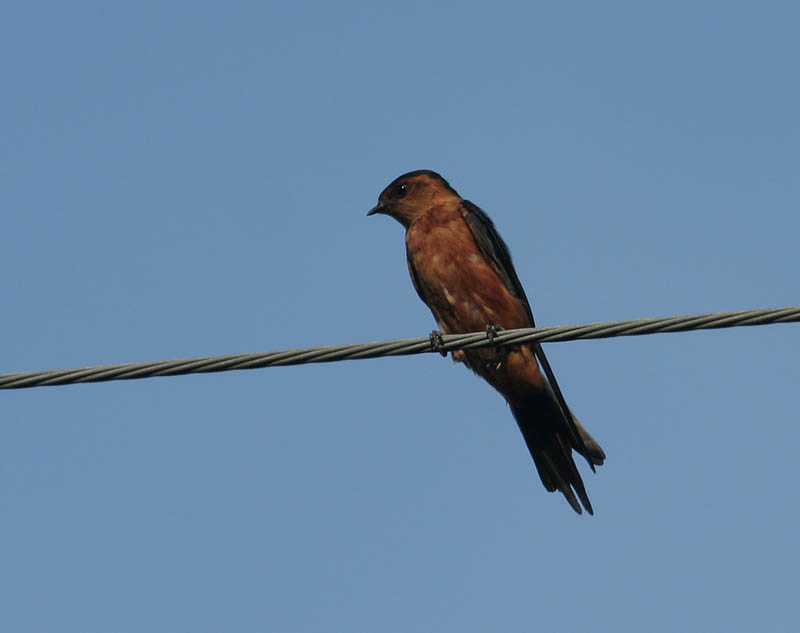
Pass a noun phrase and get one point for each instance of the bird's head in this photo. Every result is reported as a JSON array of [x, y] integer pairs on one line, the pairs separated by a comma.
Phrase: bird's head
[[411, 195]]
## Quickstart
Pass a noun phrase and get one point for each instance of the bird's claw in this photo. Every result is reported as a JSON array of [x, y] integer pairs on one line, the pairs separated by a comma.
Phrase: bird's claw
[[437, 342], [492, 331], [502, 352]]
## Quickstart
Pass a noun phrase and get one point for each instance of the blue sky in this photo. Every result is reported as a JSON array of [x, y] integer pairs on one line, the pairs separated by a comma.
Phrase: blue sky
[[183, 179]]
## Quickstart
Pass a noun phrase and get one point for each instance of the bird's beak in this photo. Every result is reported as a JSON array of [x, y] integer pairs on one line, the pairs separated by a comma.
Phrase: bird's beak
[[376, 209]]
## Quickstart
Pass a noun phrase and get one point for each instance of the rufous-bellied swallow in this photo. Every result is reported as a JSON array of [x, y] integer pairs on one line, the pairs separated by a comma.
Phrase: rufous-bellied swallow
[[461, 268]]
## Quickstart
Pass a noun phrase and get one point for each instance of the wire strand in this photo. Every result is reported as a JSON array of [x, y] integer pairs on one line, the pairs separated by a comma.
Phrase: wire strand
[[401, 347]]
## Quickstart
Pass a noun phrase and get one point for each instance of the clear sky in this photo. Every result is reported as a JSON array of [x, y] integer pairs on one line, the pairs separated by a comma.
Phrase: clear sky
[[182, 179]]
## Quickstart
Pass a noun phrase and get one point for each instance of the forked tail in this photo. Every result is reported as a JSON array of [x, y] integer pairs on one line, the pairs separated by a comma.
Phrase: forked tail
[[549, 441]]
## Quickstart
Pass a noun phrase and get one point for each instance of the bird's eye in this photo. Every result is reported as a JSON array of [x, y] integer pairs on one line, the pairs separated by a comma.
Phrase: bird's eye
[[400, 190]]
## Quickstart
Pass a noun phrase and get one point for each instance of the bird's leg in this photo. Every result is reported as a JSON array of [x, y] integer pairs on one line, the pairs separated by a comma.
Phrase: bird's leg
[[502, 352], [492, 331], [437, 342]]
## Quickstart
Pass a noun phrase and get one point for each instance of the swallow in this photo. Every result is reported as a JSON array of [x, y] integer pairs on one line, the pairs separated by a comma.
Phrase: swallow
[[461, 268]]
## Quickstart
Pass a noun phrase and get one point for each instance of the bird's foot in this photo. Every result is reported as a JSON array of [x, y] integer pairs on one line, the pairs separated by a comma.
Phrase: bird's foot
[[437, 342], [492, 331], [502, 352]]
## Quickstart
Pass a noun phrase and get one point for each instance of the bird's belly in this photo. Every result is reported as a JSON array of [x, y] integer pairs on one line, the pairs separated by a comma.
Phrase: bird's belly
[[469, 295]]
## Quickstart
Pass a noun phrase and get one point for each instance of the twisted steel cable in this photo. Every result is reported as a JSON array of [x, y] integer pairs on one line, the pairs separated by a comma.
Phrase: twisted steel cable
[[401, 347]]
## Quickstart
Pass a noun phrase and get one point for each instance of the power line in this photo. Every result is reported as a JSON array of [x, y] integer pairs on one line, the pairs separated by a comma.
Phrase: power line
[[401, 347]]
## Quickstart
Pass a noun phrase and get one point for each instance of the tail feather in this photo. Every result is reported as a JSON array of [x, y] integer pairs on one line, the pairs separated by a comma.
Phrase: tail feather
[[549, 441], [594, 453]]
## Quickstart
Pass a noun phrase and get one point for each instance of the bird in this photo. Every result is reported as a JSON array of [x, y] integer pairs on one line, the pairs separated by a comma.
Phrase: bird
[[462, 269]]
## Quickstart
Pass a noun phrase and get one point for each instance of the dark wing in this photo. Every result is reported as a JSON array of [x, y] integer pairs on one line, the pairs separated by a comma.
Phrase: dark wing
[[495, 250]]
